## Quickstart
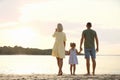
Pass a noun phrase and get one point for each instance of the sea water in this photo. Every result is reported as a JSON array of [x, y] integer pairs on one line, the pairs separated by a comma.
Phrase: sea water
[[37, 64]]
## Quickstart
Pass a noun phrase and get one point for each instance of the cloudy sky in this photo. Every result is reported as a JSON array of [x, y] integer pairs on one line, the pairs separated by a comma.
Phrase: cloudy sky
[[31, 23]]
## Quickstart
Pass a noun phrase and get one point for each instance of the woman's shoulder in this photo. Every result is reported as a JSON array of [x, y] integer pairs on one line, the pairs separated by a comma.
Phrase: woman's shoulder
[[63, 32]]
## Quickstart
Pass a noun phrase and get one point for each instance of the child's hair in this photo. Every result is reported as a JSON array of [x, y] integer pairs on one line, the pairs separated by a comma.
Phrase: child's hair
[[72, 44]]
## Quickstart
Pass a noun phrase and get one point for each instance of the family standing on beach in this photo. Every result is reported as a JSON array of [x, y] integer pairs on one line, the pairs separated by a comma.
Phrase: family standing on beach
[[89, 37]]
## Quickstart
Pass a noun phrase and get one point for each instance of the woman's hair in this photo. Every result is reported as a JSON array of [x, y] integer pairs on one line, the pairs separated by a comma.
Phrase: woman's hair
[[59, 27]]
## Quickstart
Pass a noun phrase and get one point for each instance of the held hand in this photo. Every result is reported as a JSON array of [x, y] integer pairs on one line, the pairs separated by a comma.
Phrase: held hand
[[97, 49], [79, 52], [80, 49], [67, 52]]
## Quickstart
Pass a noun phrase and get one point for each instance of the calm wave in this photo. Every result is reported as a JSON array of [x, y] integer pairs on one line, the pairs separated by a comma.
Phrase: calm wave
[[27, 64]]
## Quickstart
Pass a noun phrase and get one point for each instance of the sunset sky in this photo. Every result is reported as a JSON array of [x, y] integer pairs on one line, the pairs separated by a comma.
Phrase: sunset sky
[[31, 23]]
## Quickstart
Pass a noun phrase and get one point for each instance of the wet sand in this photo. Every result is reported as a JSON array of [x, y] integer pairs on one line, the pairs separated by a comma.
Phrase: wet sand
[[55, 77]]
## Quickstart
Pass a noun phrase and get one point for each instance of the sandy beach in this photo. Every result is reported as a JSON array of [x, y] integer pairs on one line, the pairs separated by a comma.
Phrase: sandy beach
[[55, 77]]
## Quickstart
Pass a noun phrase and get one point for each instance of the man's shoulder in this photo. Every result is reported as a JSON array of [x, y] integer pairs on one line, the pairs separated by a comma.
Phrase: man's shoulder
[[92, 30], [85, 30]]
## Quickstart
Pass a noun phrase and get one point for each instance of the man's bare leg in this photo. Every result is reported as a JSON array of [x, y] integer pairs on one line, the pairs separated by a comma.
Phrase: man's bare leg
[[88, 66], [93, 65]]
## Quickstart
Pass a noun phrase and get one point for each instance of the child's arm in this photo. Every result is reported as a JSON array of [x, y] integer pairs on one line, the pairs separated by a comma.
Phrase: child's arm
[[67, 52]]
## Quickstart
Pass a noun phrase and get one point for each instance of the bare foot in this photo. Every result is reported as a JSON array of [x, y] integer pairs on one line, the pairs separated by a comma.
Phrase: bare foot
[[73, 74], [60, 73], [93, 73]]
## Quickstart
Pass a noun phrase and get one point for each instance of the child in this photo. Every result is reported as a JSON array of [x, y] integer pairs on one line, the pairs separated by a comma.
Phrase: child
[[73, 58]]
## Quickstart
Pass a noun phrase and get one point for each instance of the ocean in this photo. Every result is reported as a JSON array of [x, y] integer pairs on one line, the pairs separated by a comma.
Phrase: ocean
[[46, 64]]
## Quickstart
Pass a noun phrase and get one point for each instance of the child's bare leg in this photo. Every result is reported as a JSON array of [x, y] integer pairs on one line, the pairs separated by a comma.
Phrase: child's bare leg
[[71, 69], [74, 68]]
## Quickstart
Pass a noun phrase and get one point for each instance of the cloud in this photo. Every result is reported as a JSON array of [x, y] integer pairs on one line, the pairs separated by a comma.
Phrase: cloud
[[10, 9], [110, 36], [9, 25]]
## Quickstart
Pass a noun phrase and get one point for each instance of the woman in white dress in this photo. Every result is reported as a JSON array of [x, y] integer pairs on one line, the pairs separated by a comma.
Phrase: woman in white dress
[[59, 47], [73, 58]]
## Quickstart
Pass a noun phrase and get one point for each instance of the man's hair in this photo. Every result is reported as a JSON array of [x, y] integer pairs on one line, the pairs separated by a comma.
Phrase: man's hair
[[89, 24]]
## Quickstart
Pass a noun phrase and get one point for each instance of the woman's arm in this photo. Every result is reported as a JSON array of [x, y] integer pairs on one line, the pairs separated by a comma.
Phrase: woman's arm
[[64, 43], [55, 33]]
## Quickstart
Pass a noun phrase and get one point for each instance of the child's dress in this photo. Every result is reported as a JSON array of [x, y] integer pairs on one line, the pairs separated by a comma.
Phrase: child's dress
[[73, 57]]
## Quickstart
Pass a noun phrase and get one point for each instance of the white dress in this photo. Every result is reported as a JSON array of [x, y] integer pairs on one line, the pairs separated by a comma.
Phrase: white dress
[[73, 57]]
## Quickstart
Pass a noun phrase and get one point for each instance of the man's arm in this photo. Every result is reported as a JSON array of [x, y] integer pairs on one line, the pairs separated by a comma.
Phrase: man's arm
[[81, 42], [97, 43]]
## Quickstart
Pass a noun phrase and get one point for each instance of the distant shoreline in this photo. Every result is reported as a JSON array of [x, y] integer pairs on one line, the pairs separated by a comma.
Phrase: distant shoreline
[[55, 77], [18, 50]]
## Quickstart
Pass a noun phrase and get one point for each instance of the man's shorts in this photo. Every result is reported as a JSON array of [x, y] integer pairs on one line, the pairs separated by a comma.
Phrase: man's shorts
[[90, 52]]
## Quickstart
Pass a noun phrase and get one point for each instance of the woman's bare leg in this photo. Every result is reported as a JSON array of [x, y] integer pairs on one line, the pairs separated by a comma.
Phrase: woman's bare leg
[[60, 65], [57, 61]]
